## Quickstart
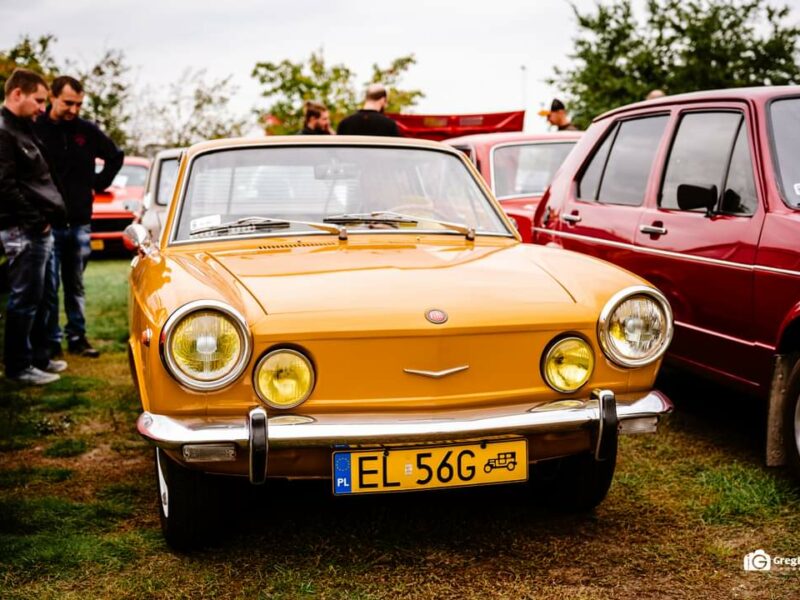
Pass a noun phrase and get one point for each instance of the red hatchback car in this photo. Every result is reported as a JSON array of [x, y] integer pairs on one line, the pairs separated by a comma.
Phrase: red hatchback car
[[517, 167], [114, 209], [700, 194]]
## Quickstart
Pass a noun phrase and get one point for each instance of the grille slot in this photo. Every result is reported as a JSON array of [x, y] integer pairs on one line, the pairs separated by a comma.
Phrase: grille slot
[[296, 244]]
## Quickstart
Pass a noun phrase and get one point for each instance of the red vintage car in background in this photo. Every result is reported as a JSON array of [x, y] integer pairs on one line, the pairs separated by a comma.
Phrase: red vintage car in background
[[700, 194], [114, 209], [517, 167]]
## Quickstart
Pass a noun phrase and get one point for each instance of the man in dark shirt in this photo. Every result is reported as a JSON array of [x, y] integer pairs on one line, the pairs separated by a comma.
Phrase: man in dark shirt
[[30, 206], [317, 119], [557, 115], [370, 120], [74, 144]]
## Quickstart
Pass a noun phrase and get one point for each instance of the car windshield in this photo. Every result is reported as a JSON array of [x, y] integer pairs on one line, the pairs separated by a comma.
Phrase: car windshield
[[526, 169], [167, 175], [785, 115], [128, 176], [357, 187]]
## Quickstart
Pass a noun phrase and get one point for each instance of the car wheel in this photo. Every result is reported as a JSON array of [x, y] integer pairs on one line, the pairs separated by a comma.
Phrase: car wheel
[[791, 419], [574, 483], [188, 504]]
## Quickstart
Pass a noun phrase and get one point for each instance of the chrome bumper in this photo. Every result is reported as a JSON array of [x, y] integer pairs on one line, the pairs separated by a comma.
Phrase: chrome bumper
[[258, 433]]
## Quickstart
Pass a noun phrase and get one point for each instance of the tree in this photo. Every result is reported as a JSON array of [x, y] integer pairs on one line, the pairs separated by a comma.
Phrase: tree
[[679, 46], [107, 96], [192, 110], [289, 84], [30, 54]]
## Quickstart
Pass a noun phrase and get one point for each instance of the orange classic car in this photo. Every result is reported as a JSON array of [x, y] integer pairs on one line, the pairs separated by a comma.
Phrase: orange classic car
[[361, 310]]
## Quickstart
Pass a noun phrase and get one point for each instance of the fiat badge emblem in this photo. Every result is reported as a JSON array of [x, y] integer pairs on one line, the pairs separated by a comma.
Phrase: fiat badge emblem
[[436, 316]]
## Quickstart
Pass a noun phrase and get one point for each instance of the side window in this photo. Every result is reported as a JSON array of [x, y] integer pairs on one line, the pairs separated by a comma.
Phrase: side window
[[590, 181], [620, 169], [740, 189], [700, 156]]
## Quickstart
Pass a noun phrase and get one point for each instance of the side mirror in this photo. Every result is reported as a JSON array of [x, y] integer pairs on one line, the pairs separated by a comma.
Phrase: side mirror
[[691, 197], [138, 237]]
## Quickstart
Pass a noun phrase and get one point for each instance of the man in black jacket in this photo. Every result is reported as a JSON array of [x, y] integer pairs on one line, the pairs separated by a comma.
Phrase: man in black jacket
[[30, 205], [370, 120], [74, 144]]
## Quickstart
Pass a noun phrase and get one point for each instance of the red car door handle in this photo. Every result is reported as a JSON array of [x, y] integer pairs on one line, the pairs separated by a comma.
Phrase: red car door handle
[[653, 229], [571, 218]]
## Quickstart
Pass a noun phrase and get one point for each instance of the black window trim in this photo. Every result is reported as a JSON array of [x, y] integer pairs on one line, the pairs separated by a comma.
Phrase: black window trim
[[774, 150], [613, 129], [674, 134]]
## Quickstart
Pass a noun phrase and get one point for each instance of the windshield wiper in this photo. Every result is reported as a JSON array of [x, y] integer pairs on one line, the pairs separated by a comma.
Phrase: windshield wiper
[[250, 224], [393, 218]]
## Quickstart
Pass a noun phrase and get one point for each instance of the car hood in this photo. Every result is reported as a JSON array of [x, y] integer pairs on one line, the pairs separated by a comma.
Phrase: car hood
[[501, 282]]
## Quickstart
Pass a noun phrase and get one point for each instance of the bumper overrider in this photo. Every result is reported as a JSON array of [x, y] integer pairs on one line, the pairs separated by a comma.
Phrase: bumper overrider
[[219, 439]]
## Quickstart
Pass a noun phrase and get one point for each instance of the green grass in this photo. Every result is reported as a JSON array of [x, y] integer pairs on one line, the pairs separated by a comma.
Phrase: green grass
[[685, 507], [66, 448]]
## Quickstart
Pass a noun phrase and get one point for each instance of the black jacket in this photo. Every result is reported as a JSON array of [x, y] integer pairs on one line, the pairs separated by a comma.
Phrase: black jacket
[[368, 122], [29, 196], [73, 147]]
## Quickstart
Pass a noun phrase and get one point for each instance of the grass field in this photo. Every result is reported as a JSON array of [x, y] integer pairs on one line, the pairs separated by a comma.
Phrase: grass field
[[78, 515]]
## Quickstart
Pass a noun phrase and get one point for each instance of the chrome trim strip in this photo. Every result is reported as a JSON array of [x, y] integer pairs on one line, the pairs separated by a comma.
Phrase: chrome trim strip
[[437, 374], [329, 429], [671, 254]]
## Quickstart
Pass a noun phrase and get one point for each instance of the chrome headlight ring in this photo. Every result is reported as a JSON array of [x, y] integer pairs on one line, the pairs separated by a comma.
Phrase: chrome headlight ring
[[607, 313], [165, 345]]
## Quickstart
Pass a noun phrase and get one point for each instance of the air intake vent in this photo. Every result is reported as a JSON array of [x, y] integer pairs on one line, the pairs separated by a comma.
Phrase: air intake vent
[[297, 244]]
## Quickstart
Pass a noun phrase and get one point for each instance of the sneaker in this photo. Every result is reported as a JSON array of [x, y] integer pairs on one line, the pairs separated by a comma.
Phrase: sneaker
[[55, 366], [34, 376], [56, 351], [82, 347]]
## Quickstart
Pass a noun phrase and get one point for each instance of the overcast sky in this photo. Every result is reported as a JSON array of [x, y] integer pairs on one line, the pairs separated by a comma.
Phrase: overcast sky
[[471, 56]]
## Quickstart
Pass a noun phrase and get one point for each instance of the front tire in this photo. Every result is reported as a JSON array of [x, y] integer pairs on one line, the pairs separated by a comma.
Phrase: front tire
[[188, 504], [791, 419], [574, 483]]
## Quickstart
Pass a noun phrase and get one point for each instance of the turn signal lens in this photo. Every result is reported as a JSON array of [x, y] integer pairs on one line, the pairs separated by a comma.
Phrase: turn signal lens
[[284, 378], [569, 364], [206, 345]]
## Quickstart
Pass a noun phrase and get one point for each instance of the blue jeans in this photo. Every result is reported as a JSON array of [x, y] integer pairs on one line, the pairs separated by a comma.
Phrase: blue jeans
[[30, 279], [72, 250]]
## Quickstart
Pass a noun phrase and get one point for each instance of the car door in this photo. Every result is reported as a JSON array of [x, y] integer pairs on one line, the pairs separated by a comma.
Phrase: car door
[[697, 240], [601, 213]]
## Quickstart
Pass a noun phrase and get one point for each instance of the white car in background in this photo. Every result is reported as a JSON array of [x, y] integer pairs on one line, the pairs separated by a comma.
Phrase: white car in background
[[158, 190]]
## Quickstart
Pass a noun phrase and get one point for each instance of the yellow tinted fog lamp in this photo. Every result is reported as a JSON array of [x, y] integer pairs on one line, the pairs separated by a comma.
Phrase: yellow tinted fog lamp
[[284, 378], [568, 364]]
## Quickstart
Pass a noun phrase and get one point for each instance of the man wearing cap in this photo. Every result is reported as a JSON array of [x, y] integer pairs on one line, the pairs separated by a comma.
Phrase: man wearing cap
[[370, 120], [557, 115]]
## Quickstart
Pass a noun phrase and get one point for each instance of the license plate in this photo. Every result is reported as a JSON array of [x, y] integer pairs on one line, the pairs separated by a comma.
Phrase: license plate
[[430, 467], [97, 244]]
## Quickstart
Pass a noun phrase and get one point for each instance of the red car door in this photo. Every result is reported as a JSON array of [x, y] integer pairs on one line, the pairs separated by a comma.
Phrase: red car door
[[698, 237], [600, 214]]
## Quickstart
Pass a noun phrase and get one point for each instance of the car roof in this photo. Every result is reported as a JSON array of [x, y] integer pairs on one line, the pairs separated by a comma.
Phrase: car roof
[[756, 94], [318, 140], [139, 161], [514, 136], [169, 153]]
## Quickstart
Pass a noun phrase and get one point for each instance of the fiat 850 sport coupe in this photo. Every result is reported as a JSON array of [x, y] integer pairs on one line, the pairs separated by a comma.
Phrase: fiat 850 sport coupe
[[361, 310]]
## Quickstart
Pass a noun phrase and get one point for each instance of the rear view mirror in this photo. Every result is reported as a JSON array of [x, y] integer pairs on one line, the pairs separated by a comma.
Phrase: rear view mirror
[[691, 197], [336, 170]]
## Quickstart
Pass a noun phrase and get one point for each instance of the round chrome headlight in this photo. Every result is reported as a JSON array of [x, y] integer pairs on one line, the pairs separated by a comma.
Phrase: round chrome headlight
[[568, 364], [205, 345], [284, 378], [635, 326]]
